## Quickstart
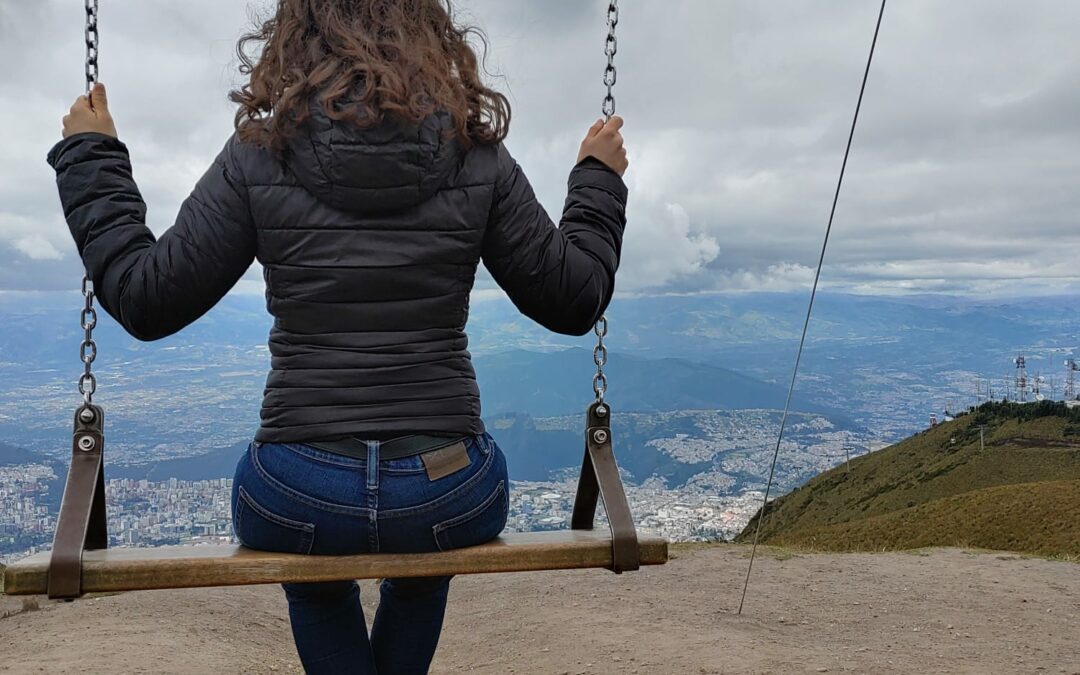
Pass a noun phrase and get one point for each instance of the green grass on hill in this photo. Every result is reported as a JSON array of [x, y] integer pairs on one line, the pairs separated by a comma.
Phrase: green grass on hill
[[1040, 518], [1024, 445]]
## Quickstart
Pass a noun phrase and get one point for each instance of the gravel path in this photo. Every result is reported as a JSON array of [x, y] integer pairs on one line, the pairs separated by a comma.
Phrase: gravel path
[[942, 611]]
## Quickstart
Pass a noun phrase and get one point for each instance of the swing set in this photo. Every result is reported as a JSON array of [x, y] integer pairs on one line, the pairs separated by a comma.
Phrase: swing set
[[80, 561]]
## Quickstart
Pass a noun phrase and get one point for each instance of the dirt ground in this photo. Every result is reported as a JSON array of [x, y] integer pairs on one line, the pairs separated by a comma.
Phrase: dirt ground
[[942, 611]]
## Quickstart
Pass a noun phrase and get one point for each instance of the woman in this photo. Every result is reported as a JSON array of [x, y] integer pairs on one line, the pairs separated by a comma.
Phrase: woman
[[367, 175]]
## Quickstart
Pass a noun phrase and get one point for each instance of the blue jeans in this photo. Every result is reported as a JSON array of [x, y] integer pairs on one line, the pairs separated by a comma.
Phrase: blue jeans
[[298, 499]]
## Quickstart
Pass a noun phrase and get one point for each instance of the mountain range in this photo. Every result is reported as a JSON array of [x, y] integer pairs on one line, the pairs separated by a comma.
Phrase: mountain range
[[875, 363]]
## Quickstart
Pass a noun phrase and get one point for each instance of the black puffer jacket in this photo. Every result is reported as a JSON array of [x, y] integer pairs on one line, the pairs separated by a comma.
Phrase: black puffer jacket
[[369, 242]]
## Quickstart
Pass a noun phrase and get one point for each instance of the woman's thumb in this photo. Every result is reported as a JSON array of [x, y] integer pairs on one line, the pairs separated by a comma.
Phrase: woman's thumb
[[597, 126], [99, 100]]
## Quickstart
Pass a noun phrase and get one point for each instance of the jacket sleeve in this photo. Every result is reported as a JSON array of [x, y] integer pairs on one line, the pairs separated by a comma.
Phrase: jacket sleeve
[[153, 287], [561, 277]]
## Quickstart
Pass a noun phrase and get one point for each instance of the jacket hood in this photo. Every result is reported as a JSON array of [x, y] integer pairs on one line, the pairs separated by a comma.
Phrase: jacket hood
[[389, 167]]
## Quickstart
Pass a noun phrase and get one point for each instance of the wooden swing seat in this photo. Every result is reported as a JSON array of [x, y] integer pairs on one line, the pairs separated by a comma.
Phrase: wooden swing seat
[[139, 569]]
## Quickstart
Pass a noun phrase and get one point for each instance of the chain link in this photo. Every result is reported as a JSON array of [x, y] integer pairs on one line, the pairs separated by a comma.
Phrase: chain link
[[599, 381], [88, 317], [91, 43], [611, 46], [88, 348]]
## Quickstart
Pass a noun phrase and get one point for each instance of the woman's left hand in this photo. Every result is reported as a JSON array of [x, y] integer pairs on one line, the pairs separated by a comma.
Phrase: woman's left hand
[[90, 114]]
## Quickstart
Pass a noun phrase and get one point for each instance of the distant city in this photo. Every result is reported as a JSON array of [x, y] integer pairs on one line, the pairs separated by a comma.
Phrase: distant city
[[715, 463], [146, 513]]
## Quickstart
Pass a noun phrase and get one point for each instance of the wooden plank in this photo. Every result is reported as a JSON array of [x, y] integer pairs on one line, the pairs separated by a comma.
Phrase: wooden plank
[[135, 569]]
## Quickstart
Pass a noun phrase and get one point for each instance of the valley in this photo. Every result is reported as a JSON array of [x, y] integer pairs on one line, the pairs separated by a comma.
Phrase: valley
[[697, 384]]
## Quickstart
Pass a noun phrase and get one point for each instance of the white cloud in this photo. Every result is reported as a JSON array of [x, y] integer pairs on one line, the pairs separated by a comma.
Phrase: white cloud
[[33, 238], [662, 246], [37, 247], [963, 175]]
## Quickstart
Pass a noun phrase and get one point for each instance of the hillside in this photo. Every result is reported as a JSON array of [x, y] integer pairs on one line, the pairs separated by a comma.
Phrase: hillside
[[1040, 518], [548, 384], [12, 455], [938, 488]]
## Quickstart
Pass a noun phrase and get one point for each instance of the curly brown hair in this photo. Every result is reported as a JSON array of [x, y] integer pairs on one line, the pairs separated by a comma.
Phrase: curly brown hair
[[362, 60]]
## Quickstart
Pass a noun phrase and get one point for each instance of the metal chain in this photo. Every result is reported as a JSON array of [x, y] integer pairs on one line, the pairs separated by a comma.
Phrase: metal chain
[[611, 46], [91, 43], [88, 348], [599, 381], [88, 318]]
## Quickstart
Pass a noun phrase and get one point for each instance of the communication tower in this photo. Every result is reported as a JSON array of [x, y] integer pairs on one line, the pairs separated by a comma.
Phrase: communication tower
[[984, 390], [1021, 378]]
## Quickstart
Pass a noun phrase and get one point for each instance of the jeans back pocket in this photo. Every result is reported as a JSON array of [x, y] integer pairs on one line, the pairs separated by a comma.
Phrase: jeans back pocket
[[477, 525], [261, 529]]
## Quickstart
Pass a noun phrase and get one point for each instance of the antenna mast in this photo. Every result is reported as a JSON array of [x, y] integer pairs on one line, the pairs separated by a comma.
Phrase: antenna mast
[[1070, 379], [1021, 378]]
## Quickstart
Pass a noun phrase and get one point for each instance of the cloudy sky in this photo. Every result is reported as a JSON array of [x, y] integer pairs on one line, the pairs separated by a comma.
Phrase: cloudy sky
[[964, 177]]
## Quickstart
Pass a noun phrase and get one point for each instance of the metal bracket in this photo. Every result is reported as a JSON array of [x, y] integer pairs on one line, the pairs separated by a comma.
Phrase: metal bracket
[[600, 480], [81, 524]]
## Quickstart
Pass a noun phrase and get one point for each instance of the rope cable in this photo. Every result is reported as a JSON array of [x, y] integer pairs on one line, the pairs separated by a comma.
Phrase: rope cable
[[810, 308]]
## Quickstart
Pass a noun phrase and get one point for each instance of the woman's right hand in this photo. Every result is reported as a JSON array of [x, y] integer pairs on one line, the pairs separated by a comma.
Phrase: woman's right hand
[[605, 143]]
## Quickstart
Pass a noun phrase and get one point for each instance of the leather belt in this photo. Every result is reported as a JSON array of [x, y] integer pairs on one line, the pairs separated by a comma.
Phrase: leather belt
[[395, 448]]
